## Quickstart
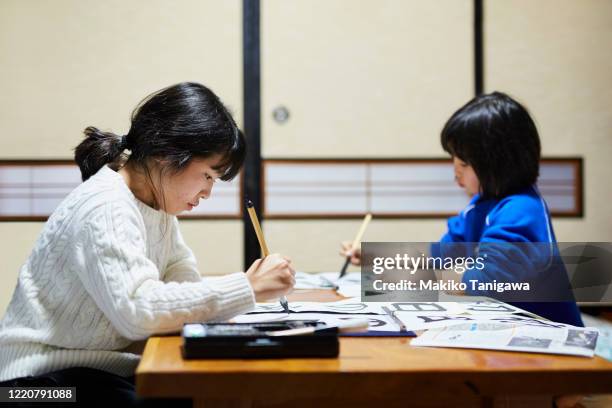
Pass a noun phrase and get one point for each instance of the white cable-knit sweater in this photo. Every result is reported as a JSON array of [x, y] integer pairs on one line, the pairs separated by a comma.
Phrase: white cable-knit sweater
[[104, 273]]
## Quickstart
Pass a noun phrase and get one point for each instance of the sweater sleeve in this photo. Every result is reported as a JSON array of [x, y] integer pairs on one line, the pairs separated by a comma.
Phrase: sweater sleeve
[[516, 244], [126, 285], [452, 243], [182, 264]]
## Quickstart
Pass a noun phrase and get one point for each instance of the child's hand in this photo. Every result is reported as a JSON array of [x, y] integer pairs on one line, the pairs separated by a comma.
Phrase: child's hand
[[355, 253], [271, 277]]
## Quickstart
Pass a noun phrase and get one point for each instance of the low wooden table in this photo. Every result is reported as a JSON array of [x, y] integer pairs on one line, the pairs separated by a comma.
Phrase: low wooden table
[[370, 372]]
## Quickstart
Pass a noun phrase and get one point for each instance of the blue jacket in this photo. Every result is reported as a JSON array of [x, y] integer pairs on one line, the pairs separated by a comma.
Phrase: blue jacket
[[518, 218]]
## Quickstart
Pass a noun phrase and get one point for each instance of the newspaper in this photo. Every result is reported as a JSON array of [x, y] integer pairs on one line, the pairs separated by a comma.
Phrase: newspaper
[[509, 335], [604, 340]]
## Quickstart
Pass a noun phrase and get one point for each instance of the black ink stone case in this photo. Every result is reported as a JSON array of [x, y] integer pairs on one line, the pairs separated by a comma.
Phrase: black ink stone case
[[254, 340]]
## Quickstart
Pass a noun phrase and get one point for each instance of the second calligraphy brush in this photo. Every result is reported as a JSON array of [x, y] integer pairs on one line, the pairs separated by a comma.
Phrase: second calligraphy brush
[[356, 241]]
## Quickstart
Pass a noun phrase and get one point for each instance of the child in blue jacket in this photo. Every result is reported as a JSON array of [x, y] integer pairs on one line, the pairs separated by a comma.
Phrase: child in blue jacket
[[496, 154]]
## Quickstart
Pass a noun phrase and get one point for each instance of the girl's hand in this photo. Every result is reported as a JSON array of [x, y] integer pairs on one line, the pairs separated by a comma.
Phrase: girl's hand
[[271, 277], [355, 254]]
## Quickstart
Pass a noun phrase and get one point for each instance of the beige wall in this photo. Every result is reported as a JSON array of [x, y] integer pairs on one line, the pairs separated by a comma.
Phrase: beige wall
[[17, 241], [365, 78], [554, 55], [67, 64]]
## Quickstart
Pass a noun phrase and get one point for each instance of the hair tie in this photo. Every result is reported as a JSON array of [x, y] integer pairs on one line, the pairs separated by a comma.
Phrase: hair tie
[[124, 142]]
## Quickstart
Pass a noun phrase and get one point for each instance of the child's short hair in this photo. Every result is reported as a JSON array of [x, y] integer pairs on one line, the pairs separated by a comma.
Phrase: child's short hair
[[496, 136]]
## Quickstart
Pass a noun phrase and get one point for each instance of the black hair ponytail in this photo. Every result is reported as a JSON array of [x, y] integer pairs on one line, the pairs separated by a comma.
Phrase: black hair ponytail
[[98, 148]]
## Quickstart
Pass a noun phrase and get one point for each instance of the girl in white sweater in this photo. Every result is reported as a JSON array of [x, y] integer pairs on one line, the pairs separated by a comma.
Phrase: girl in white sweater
[[111, 268]]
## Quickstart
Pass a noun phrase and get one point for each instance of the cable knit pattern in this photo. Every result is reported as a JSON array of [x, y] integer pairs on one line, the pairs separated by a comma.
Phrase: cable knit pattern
[[105, 271]]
